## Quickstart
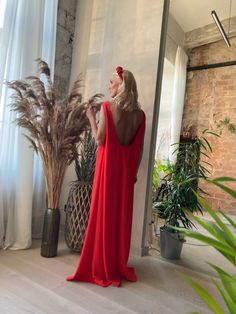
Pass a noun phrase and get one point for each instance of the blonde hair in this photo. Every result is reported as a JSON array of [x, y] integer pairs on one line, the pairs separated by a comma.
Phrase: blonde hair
[[127, 96]]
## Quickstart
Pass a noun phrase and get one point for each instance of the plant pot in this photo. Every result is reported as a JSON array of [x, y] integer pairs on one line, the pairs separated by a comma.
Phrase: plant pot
[[171, 243], [50, 232], [77, 214]]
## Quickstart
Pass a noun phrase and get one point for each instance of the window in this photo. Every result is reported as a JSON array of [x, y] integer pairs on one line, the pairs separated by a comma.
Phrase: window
[[2, 15], [2, 11]]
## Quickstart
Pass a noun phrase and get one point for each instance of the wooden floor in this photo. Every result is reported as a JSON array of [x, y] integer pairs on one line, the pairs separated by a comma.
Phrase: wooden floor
[[30, 283]]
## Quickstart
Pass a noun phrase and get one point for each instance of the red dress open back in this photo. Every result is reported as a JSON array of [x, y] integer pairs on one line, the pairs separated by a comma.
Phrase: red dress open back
[[106, 247]]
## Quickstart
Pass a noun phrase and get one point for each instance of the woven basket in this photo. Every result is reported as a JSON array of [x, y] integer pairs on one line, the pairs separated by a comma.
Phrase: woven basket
[[77, 214]]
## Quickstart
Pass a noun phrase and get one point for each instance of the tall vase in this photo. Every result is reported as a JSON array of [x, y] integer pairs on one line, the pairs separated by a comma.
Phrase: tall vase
[[50, 232]]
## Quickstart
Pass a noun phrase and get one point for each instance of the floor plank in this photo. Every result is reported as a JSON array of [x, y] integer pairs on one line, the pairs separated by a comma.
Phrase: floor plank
[[33, 284]]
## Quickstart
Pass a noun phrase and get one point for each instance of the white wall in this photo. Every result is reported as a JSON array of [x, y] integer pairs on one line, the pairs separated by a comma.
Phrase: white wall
[[175, 38], [126, 33], [164, 121]]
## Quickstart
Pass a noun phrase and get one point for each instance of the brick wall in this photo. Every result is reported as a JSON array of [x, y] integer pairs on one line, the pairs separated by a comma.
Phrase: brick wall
[[211, 96]]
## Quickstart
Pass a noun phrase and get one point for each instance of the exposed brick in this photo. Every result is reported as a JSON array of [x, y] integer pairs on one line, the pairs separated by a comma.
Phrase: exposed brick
[[211, 96]]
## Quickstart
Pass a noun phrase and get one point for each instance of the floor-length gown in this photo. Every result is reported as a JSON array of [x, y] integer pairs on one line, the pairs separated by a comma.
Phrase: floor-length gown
[[107, 242]]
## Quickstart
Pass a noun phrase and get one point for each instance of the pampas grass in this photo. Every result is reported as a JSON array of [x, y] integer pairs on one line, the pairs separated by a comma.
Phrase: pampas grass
[[54, 127]]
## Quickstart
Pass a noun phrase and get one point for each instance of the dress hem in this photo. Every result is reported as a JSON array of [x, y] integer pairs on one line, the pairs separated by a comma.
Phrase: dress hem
[[101, 283]]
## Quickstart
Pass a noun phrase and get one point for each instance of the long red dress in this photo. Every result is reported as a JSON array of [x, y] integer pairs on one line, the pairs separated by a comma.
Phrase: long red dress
[[107, 242]]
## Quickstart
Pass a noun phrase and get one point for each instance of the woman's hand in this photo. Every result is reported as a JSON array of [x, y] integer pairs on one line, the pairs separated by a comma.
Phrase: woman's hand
[[90, 113]]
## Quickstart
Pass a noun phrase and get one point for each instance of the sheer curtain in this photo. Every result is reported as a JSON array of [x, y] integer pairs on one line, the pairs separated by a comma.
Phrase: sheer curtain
[[28, 31], [178, 99]]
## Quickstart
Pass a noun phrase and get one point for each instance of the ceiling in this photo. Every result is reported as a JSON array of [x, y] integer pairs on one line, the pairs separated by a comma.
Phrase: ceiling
[[192, 14]]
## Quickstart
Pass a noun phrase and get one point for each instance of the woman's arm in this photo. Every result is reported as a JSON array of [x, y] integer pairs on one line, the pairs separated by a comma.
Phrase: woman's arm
[[98, 130]]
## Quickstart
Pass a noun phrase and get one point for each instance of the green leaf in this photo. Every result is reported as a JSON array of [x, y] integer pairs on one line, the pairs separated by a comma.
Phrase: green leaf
[[204, 154], [233, 224], [213, 229], [225, 229], [222, 179], [208, 144], [223, 248], [203, 145], [229, 302], [204, 169], [228, 281], [212, 133], [205, 296], [225, 188], [176, 149], [205, 162], [204, 131]]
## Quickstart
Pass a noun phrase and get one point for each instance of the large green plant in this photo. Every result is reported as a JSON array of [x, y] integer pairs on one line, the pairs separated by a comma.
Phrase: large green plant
[[179, 199], [223, 239]]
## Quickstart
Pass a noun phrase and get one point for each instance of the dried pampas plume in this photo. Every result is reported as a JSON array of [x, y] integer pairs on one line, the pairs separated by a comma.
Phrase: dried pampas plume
[[54, 126]]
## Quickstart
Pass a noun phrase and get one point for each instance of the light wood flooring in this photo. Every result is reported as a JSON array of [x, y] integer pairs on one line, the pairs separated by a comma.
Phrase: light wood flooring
[[30, 283]]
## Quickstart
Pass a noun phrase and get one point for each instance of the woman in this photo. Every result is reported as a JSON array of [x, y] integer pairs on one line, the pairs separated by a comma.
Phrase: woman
[[119, 135]]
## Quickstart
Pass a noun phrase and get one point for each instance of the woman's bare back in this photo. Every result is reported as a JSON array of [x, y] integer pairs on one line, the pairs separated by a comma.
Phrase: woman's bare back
[[126, 124]]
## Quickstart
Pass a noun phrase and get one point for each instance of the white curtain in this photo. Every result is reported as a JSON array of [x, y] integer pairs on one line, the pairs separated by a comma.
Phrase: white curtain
[[28, 31], [178, 100]]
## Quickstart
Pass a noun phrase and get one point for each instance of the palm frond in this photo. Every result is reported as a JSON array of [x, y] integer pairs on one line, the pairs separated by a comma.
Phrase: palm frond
[[223, 239]]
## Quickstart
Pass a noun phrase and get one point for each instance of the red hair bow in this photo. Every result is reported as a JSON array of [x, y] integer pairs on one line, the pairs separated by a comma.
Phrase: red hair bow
[[119, 71]]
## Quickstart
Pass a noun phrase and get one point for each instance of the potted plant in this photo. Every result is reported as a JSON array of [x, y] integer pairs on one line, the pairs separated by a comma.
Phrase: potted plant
[[78, 204], [179, 197], [161, 172], [54, 127]]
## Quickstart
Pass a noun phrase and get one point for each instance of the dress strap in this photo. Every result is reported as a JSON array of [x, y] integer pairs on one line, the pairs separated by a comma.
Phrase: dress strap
[[105, 106], [110, 131]]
